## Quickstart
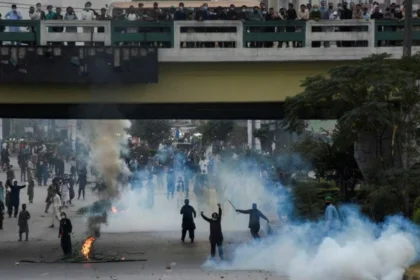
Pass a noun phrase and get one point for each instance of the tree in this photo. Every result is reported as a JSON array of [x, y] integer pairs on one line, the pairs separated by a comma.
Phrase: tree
[[152, 131], [376, 101], [329, 161], [216, 130]]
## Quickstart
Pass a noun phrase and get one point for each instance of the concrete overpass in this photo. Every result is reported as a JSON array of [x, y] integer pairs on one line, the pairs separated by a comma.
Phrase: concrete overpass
[[183, 83], [236, 81]]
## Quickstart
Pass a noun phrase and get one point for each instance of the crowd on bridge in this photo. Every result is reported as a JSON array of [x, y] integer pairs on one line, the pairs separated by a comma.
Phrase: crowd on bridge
[[323, 11]]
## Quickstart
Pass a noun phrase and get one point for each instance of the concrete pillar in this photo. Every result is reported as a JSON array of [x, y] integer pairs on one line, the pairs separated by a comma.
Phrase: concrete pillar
[[72, 132], [250, 136], [257, 141]]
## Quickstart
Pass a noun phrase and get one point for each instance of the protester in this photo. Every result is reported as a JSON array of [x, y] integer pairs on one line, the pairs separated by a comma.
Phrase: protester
[[14, 199], [57, 206], [2, 208], [23, 219], [64, 233], [188, 214], [2, 193], [216, 235], [254, 219], [332, 219]]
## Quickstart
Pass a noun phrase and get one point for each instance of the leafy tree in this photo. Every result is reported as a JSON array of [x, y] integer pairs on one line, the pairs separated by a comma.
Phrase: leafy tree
[[331, 162], [376, 101], [152, 131], [219, 130]]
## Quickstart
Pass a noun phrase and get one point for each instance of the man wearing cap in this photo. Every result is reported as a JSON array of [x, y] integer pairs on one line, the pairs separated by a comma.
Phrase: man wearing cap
[[332, 220]]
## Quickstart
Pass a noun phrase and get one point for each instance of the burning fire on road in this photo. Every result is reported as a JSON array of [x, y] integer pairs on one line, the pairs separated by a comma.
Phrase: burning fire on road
[[87, 247]]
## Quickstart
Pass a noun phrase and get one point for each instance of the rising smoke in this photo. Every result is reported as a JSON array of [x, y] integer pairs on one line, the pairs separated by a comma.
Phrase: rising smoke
[[299, 250], [107, 142]]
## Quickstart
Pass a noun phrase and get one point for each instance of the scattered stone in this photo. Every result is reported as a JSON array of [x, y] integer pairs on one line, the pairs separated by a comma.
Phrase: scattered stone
[[16, 263]]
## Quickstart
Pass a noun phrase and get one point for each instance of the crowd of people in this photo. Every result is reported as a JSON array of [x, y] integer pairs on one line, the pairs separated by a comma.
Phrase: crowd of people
[[321, 11], [39, 164], [171, 170]]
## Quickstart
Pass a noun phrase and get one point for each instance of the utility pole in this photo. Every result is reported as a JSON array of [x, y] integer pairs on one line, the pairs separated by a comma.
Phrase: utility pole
[[408, 26]]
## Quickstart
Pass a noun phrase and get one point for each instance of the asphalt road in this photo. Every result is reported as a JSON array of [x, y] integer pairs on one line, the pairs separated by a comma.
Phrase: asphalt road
[[163, 255]]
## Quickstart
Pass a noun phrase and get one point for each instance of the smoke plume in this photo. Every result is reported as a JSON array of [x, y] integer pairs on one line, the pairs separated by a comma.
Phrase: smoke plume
[[107, 142]]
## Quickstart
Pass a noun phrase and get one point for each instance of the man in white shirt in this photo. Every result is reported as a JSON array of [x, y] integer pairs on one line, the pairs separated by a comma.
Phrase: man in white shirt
[[56, 209]]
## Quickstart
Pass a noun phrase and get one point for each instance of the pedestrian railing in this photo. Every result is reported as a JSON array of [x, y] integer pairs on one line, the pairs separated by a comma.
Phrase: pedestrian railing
[[205, 34], [160, 33], [389, 33], [20, 31], [89, 31], [259, 33], [237, 39], [357, 33]]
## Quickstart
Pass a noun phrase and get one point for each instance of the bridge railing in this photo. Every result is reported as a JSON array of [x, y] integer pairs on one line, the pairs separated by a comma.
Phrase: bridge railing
[[68, 31], [20, 31], [390, 33], [265, 33], [159, 34], [366, 34]]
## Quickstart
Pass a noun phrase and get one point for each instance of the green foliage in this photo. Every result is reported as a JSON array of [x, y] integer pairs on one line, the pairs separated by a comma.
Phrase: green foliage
[[416, 216], [375, 101], [383, 201], [329, 161], [152, 131], [222, 130], [416, 205], [309, 198]]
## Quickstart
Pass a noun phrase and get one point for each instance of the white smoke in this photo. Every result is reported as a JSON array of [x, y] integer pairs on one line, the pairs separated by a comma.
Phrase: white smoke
[[362, 250], [108, 141]]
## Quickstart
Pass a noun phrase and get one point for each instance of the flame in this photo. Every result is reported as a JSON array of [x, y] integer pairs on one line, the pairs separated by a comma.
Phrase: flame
[[87, 247], [114, 209]]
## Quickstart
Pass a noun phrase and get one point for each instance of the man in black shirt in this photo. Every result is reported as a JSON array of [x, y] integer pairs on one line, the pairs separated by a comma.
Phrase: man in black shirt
[[187, 212], [254, 219], [216, 235]]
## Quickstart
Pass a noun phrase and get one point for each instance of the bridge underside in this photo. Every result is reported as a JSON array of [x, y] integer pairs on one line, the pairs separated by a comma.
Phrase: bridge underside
[[184, 90]]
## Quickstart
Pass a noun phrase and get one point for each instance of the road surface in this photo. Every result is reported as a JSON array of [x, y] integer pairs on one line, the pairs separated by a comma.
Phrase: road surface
[[165, 256]]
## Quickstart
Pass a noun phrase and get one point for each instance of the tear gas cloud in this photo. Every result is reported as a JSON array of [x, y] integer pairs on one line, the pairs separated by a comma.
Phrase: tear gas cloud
[[241, 189], [300, 250], [361, 250], [106, 140]]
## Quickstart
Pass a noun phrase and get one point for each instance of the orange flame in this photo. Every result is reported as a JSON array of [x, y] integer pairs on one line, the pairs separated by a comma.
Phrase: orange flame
[[87, 247], [114, 209]]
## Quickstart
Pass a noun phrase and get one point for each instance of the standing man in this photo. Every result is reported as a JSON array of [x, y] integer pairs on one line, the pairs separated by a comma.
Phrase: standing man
[[14, 199], [56, 209], [24, 217], [1, 214], [31, 186], [254, 220], [82, 181], [216, 235], [64, 234], [332, 219], [51, 191], [187, 212]]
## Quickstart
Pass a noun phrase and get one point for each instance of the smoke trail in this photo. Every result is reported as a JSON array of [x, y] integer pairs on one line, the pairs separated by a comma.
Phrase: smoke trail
[[107, 142]]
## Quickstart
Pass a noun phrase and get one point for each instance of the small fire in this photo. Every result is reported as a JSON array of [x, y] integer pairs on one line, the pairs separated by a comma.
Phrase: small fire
[[87, 247], [114, 209]]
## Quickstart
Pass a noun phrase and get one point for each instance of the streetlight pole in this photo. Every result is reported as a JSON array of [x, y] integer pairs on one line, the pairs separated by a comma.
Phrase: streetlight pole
[[408, 26]]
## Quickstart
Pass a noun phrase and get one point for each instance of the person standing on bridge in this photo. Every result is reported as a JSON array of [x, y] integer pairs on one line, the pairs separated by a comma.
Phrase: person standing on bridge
[[187, 212], [254, 219]]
